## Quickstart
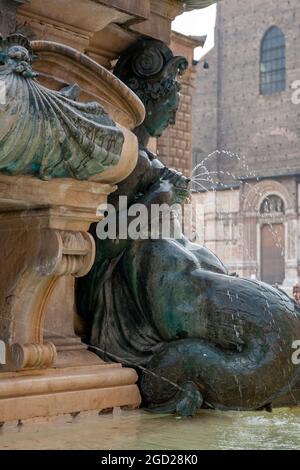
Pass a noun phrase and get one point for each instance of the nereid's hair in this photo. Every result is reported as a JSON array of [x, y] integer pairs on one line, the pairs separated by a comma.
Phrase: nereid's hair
[[149, 92], [150, 69]]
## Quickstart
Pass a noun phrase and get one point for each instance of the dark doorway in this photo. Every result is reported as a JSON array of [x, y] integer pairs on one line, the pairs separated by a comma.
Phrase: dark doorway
[[272, 253]]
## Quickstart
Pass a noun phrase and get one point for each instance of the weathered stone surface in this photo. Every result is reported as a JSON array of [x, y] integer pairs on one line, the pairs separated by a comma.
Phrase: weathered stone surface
[[263, 131], [229, 113], [55, 392], [43, 225], [95, 27], [43, 232], [8, 11]]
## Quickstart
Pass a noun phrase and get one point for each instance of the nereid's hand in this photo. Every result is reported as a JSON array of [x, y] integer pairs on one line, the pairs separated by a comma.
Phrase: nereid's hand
[[176, 178]]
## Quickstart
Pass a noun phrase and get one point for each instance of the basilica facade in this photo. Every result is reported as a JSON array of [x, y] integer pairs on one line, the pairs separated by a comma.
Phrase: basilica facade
[[246, 137]]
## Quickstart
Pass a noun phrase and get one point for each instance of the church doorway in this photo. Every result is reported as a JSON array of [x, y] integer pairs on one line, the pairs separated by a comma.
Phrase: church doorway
[[272, 253]]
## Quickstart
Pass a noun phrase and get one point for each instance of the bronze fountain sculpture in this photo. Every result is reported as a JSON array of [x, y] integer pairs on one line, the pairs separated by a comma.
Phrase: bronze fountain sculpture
[[48, 133], [197, 335]]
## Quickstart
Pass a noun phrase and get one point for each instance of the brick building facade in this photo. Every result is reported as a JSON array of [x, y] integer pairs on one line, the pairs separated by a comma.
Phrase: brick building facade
[[175, 145], [243, 109]]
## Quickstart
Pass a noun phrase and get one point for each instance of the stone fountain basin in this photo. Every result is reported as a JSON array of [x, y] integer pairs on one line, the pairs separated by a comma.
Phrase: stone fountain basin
[[60, 65]]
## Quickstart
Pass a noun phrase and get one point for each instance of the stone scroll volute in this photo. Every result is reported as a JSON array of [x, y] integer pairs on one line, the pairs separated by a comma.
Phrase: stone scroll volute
[[51, 254], [45, 210]]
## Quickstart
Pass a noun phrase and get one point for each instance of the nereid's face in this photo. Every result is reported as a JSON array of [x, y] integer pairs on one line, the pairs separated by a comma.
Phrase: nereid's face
[[162, 113]]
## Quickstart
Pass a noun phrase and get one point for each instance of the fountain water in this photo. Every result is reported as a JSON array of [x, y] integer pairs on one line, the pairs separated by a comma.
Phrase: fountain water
[[206, 180]]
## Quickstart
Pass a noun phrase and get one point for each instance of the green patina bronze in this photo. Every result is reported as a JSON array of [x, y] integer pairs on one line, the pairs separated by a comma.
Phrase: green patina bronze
[[197, 4], [197, 335], [151, 73], [48, 133]]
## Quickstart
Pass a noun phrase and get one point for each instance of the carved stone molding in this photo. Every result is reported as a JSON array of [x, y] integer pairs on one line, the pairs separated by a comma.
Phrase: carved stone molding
[[33, 356], [42, 244], [8, 11], [255, 194], [50, 392], [29, 273], [71, 253], [43, 235], [54, 139]]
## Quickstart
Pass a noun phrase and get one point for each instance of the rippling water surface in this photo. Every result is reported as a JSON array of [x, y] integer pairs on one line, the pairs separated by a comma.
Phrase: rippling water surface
[[140, 430]]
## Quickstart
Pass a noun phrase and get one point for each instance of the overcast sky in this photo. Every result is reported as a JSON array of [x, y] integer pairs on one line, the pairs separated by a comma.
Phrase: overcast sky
[[198, 23]]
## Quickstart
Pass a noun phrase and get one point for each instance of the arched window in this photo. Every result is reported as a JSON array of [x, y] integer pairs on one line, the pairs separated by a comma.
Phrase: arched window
[[272, 62], [272, 204]]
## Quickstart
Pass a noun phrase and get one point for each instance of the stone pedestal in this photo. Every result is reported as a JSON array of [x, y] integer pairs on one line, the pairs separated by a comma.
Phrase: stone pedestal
[[50, 392], [46, 244], [44, 224]]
